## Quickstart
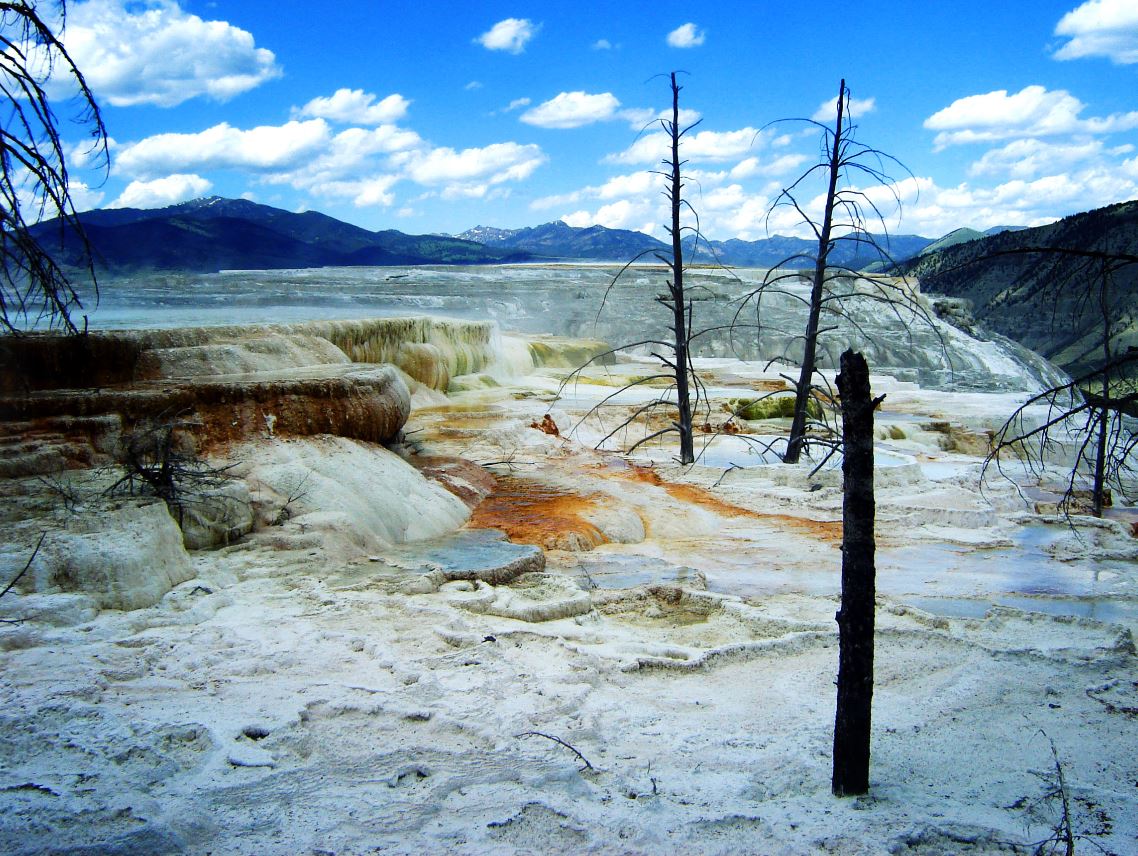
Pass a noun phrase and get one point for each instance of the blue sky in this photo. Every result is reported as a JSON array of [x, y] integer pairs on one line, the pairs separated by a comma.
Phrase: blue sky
[[437, 116]]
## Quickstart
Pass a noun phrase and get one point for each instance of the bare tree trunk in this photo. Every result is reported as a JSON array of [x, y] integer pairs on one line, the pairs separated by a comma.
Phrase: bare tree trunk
[[817, 292], [676, 288], [1099, 493], [856, 616]]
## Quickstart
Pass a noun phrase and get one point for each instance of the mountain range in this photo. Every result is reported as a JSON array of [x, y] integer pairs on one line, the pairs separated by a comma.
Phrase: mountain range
[[212, 234], [215, 233], [560, 241]]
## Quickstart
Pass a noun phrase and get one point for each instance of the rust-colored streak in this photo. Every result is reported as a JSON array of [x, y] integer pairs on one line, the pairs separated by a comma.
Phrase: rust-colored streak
[[533, 513], [824, 530], [465, 479]]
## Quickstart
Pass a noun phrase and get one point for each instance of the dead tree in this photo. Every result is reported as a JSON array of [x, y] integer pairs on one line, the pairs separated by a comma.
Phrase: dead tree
[[34, 179], [158, 459], [675, 299], [674, 354], [847, 214], [1096, 412], [856, 616]]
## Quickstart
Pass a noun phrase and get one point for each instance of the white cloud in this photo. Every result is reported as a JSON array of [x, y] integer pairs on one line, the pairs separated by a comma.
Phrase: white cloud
[[637, 215], [83, 197], [517, 104], [262, 149], [355, 106], [473, 85], [1106, 28], [363, 193], [1029, 157], [161, 55], [686, 36], [781, 165], [700, 146], [1032, 112], [510, 35], [935, 210], [855, 108], [350, 161], [640, 118], [361, 165], [635, 184], [572, 110], [602, 45], [491, 164], [162, 191]]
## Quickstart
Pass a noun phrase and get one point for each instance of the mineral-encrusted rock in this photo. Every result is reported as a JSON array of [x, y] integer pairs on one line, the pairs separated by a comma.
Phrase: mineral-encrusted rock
[[125, 556]]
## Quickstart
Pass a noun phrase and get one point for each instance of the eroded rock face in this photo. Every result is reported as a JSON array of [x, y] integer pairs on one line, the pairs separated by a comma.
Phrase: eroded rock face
[[50, 431], [113, 358], [125, 556]]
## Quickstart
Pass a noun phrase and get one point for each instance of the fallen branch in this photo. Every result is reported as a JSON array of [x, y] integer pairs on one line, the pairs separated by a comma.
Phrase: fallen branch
[[558, 740], [27, 565]]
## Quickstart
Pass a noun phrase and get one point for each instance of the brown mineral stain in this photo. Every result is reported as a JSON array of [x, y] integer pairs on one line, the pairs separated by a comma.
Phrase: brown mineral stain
[[465, 479], [825, 530], [533, 513]]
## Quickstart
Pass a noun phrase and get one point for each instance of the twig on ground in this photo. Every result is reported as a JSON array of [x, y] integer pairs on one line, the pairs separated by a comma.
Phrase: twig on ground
[[559, 741], [16, 578]]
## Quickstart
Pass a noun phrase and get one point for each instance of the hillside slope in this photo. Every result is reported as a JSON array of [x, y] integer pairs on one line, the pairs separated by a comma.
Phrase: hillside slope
[[558, 240], [1047, 301]]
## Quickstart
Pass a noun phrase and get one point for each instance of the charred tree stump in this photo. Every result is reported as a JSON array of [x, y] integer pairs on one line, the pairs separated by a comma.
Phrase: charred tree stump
[[856, 616]]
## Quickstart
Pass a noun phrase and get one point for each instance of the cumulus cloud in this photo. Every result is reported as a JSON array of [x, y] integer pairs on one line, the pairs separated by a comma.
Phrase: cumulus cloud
[[510, 35], [932, 210], [1107, 28], [855, 108], [492, 164], [1034, 111], [781, 165], [639, 118], [162, 191], [635, 201], [728, 211], [358, 164], [572, 110], [517, 104], [351, 159], [83, 197], [700, 146], [265, 148], [602, 45], [362, 193], [354, 106], [686, 36], [161, 55], [1029, 157]]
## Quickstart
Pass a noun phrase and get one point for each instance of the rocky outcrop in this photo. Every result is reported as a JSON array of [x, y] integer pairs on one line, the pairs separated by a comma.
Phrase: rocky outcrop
[[47, 431], [33, 362], [67, 401], [126, 556], [77, 403]]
